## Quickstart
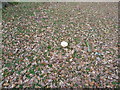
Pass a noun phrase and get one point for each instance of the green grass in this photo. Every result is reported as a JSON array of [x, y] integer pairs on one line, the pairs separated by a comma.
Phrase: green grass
[[76, 55]]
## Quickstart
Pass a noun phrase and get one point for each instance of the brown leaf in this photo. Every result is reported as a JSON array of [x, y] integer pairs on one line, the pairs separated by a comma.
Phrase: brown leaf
[[6, 84]]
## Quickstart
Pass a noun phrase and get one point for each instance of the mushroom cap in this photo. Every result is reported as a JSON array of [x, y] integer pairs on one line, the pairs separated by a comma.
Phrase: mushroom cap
[[64, 44]]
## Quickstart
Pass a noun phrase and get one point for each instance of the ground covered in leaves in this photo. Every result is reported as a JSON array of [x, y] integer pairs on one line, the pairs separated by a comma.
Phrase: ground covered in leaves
[[33, 56]]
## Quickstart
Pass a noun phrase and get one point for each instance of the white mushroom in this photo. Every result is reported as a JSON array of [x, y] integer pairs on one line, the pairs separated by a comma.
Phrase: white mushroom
[[64, 44]]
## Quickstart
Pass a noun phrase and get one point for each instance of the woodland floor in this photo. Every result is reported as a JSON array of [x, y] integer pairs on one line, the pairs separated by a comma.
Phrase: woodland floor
[[33, 57]]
